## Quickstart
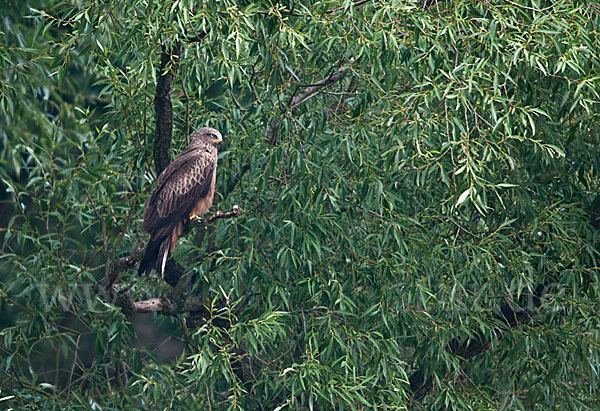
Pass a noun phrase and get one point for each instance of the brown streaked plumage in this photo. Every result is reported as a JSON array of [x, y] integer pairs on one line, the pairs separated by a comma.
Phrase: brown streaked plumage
[[184, 189]]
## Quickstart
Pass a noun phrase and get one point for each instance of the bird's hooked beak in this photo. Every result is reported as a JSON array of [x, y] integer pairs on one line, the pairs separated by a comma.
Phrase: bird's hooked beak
[[217, 141]]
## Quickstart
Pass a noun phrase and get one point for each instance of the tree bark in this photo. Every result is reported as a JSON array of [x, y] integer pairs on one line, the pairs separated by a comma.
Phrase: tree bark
[[163, 108]]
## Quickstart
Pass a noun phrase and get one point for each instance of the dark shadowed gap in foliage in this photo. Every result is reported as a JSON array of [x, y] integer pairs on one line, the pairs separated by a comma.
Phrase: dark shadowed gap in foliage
[[511, 315], [163, 341]]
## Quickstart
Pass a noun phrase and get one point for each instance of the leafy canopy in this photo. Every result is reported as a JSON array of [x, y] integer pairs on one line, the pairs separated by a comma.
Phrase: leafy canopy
[[419, 232]]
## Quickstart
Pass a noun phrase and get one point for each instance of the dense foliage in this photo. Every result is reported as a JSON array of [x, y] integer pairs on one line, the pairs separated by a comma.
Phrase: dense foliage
[[419, 233]]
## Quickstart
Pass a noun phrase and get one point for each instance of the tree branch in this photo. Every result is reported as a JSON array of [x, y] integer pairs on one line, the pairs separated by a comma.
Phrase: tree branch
[[178, 302], [306, 94], [198, 37], [121, 264], [150, 306], [310, 90], [235, 211], [162, 305]]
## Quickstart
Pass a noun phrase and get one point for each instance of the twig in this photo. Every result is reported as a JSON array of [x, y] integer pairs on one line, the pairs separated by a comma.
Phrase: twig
[[110, 13], [208, 397], [236, 102], [358, 3], [73, 366], [198, 37]]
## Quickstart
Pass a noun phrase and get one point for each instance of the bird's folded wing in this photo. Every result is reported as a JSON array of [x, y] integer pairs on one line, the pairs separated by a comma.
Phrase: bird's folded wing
[[188, 179]]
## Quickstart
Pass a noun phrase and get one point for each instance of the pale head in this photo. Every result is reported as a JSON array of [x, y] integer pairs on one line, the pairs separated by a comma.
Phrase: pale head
[[208, 134]]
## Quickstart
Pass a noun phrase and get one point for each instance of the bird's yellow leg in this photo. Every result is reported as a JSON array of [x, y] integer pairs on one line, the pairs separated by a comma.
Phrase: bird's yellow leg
[[196, 218], [192, 221]]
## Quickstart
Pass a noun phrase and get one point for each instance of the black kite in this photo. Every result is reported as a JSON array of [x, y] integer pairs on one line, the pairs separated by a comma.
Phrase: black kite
[[184, 189]]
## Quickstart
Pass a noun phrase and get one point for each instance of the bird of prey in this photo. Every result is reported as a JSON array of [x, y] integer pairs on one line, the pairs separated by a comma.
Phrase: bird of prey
[[184, 189]]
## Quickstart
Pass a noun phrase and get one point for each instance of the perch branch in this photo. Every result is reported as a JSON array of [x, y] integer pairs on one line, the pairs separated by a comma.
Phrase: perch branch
[[235, 211], [177, 303], [148, 306]]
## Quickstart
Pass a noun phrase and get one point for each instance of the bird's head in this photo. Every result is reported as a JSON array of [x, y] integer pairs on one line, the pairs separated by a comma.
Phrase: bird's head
[[208, 135]]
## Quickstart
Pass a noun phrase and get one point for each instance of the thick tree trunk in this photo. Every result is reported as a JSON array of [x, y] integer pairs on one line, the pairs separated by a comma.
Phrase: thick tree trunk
[[169, 61]]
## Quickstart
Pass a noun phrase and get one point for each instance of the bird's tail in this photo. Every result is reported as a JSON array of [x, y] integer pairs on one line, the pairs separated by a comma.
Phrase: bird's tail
[[163, 254], [157, 252]]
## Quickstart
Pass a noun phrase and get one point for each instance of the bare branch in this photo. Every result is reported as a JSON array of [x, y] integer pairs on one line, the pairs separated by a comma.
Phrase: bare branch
[[309, 92], [174, 305], [149, 306], [162, 305], [121, 264]]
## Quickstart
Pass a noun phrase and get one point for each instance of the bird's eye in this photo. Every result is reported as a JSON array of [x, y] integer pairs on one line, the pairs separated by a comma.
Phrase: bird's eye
[[214, 136]]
